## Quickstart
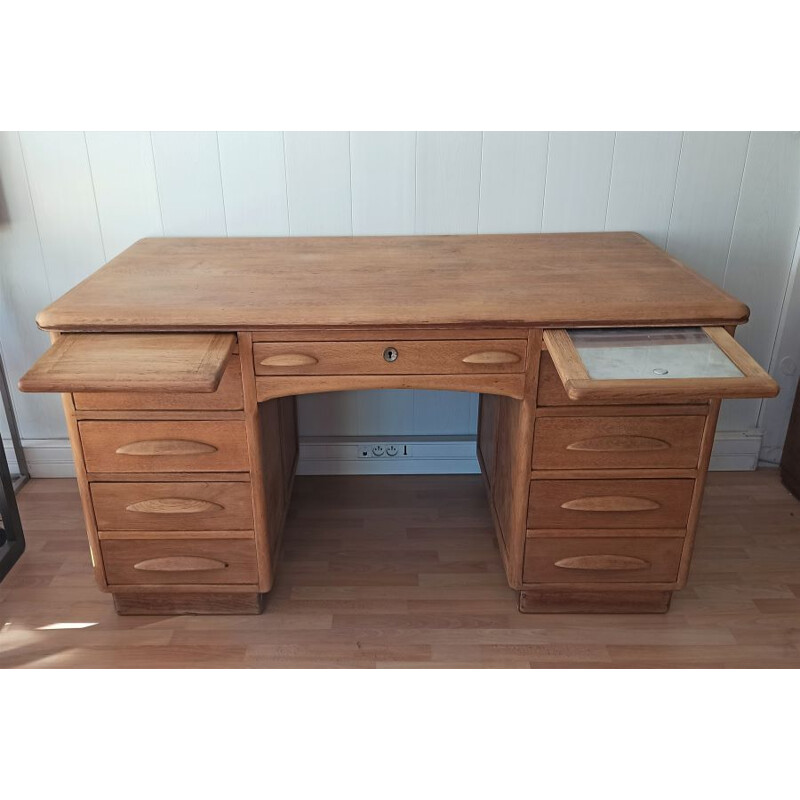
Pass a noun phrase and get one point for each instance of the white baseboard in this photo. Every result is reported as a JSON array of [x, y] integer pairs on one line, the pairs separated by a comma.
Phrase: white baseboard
[[47, 458], [735, 450], [428, 455], [446, 455]]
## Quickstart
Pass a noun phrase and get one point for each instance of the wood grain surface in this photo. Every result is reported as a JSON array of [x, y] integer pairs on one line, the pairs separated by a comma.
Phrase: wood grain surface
[[179, 446], [228, 396], [190, 505], [591, 560], [617, 442], [413, 357], [179, 561], [404, 572], [527, 280], [623, 503], [152, 362]]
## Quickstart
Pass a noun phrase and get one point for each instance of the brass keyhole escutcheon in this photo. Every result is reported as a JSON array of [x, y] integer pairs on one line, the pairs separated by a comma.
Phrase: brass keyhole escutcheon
[[390, 354]]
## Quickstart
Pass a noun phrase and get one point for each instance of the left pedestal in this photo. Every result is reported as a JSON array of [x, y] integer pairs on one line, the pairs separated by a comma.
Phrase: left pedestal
[[184, 493]]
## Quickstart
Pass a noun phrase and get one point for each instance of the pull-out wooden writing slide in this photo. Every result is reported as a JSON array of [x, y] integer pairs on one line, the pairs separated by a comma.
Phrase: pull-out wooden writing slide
[[631, 365], [131, 362]]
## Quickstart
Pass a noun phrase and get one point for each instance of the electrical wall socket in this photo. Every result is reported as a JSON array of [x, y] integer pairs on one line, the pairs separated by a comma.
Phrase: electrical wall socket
[[383, 450]]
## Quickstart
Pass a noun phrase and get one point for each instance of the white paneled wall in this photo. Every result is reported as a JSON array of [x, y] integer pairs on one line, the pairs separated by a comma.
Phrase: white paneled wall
[[189, 184], [577, 181], [318, 184], [253, 170], [513, 171], [448, 183], [726, 203], [383, 182], [643, 184], [125, 188]]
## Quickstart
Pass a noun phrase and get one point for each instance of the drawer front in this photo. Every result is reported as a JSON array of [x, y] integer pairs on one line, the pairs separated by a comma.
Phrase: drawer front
[[212, 446], [189, 505], [628, 503], [617, 442], [165, 561], [612, 559], [391, 357], [228, 397], [551, 390]]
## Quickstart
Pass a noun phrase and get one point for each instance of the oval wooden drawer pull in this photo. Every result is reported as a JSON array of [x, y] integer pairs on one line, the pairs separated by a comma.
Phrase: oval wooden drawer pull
[[623, 442], [180, 564], [491, 357], [611, 503], [289, 360], [173, 505], [602, 562], [165, 447]]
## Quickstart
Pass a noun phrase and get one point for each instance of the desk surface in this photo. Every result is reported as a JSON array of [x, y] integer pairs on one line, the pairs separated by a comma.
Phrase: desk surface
[[406, 281]]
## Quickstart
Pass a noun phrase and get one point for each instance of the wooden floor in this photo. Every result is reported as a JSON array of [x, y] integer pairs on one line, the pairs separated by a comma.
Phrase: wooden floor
[[404, 572]]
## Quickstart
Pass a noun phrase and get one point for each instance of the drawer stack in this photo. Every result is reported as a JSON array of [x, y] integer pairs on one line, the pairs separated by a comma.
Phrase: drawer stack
[[169, 488], [612, 491]]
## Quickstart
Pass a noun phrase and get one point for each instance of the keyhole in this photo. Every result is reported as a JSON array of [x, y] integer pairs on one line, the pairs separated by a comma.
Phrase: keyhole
[[390, 354]]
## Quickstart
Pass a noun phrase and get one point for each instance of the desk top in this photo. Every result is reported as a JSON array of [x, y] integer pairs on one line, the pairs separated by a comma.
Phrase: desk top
[[531, 280]]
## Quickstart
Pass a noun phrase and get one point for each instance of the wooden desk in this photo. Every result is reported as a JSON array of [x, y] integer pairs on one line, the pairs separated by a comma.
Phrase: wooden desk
[[179, 362]]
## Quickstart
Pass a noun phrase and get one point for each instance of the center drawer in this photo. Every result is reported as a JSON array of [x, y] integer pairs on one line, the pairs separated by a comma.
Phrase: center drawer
[[174, 446], [391, 357], [176, 506], [627, 503], [628, 442]]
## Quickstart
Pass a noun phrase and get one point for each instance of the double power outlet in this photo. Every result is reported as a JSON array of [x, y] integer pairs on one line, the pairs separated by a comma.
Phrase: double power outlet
[[380, 450]]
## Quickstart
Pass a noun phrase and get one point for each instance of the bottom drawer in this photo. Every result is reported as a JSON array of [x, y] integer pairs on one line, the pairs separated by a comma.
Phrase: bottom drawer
[[162, 561], [602, 559]]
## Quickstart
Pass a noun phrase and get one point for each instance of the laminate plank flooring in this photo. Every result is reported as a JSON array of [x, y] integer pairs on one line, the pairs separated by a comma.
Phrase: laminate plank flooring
[[403, 571]]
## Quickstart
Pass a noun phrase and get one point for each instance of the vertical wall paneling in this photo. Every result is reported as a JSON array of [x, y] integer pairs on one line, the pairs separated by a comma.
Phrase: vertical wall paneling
[[643, 184], [380, 412], [785, 367], [387, 412], [448, 182], [578, 178], [189, 185], [63, 199], [706, 195], [513, 170], [383, 179], [761, 251], [329, 414], [124, 178], [318, 183], [24, 290], [254, 184], [443, 413]]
